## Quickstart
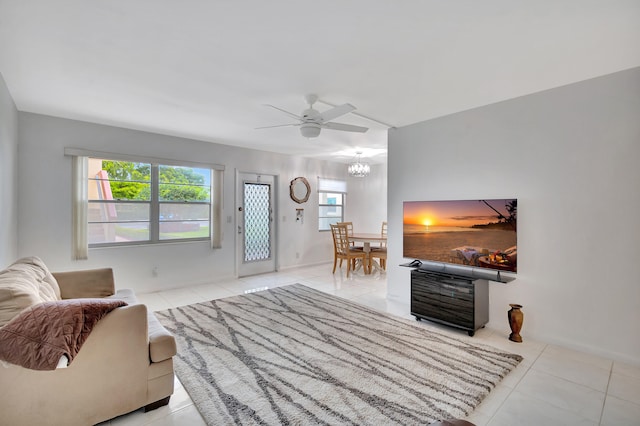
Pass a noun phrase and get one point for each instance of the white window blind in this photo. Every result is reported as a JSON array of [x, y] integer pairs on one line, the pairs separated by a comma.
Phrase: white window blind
[[332, 185]]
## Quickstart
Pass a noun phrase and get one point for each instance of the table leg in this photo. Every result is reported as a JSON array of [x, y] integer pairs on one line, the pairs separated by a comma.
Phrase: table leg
[[367, 261]]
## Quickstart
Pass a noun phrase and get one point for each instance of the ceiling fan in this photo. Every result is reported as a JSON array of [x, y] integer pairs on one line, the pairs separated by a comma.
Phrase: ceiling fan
[[312, 121]]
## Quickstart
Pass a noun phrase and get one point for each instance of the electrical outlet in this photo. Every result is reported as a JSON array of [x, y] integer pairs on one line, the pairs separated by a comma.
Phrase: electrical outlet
[[297, 255], [154, 271]]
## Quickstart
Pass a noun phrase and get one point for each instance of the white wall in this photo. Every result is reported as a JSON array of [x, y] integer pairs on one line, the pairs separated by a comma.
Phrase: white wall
[[571, 156], [366, 204], [45, 204], [8, 177]]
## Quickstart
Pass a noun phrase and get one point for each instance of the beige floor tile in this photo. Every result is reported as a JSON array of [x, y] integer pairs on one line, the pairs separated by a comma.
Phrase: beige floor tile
[[154, 301], [626, 369], [580, 357], [618, 412], [187, 416], [270, 280], [564, 394], [212, 291], [523, 410], [579, 368], [626, 387], [243, 287], [136, 418], [180, 297]]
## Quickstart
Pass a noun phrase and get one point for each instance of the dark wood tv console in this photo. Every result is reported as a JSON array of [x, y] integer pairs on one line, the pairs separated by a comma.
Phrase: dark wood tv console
[[454, 300]]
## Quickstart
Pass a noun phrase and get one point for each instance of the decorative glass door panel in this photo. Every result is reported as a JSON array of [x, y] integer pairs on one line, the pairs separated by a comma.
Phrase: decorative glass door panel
[[257, 222], [255, 238]]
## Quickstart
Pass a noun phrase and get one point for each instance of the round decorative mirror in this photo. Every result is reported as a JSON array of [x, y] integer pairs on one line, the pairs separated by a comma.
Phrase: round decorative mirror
[[299, 190]]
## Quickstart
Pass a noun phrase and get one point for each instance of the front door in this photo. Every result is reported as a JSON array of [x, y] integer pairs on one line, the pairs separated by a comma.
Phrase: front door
[[255, 225]]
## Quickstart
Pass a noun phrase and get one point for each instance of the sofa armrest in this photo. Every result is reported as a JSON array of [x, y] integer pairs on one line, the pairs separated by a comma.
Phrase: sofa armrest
[[87, 283], [162, 344]]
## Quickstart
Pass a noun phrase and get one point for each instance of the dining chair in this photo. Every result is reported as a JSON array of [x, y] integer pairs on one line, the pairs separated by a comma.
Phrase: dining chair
[[381, 252], [342, 249], [349, 226]]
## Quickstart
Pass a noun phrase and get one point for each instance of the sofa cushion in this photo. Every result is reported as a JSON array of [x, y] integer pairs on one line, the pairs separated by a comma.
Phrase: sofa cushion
[[25, 283], [86, 284], [41, 334]]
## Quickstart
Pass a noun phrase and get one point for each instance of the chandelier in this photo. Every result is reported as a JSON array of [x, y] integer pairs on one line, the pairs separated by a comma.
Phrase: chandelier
[[357, 168]]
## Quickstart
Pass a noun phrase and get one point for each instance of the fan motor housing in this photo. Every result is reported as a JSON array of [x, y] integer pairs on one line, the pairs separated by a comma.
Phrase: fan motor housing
[[310, 113]]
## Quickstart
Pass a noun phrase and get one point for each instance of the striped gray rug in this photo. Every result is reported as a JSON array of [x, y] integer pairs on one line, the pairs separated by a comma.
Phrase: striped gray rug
[[295, 355]]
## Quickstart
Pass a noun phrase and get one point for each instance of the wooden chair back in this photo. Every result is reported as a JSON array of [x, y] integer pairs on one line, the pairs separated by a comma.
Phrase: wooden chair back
[[340, 239], [342, 249], [349, 226]]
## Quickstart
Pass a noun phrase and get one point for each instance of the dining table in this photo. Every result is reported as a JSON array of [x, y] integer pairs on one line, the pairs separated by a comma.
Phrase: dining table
[[367, 239]]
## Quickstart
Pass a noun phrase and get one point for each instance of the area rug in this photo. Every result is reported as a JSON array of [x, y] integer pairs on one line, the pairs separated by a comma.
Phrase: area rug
[[295, 355]]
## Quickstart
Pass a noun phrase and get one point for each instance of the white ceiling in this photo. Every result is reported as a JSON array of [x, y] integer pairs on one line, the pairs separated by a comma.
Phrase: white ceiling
[[203, 69]]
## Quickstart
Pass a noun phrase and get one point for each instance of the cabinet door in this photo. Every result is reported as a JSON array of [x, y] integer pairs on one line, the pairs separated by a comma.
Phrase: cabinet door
[[443, 298], [456, 301], [459, 294], [425, 295]]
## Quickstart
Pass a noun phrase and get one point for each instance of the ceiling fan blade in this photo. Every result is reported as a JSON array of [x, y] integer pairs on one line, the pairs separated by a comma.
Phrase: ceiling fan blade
[[345, 127], [286, 112], [278, 125], [336, 112]]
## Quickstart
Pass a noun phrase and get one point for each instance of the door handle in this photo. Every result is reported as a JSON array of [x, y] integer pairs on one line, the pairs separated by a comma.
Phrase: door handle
[[239, 229]]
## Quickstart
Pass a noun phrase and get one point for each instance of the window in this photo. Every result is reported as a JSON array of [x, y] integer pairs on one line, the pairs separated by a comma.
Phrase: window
[[143, 201], [184, 197], [331, 195], [119, 202], [123, 206]]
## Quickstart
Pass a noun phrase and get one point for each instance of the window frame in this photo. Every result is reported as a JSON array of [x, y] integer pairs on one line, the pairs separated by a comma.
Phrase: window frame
[[331, 186], [81, 220], [118, 201]]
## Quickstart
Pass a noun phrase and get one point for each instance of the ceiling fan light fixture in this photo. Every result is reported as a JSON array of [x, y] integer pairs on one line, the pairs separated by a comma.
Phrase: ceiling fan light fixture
[[310, 130], [357, 168], [312, 121]]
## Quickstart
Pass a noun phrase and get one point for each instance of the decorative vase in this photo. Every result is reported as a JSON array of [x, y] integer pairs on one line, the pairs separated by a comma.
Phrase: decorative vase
[[515, 317]]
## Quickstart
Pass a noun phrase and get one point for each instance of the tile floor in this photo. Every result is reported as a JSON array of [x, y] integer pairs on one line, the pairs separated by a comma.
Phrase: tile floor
[[552, 385]]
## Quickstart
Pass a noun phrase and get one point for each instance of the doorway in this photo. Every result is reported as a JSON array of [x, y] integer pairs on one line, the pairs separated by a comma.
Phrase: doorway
[[255, 213]]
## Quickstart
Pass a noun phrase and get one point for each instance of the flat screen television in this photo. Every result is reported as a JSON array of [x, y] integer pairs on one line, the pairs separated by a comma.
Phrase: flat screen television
[[465, 233]]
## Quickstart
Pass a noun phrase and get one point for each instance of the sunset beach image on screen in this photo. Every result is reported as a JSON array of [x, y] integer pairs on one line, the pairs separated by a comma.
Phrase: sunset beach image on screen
[[475, 233]]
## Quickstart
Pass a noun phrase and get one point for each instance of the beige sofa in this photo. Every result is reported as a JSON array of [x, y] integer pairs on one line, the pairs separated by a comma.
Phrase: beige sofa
[[124, 364]]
